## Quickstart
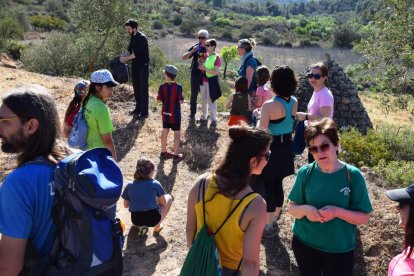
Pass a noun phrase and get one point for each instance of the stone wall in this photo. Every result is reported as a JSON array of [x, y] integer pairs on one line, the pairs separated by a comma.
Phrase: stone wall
[[348, 108]]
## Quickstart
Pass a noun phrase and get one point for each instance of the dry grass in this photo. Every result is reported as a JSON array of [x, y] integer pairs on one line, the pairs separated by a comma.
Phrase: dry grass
[[164, 255]]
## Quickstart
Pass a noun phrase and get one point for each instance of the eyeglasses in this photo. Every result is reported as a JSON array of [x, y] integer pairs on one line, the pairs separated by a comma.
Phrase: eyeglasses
[[202, 37], [322, 148], [316, 76], [267, 155]]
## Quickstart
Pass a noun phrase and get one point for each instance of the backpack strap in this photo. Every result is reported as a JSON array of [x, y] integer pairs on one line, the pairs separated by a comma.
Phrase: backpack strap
[[309, 173], [232, 211]]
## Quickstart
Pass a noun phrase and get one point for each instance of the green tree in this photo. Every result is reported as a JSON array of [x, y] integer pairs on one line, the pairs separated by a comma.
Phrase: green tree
[[227, 54], [389, 44], [100, 19]]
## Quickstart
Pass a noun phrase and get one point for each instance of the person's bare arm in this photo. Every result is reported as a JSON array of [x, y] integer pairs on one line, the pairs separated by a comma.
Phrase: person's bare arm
[[214, 72], [324, 110], [300, 211], [127, 58], [249, 75], [126, 203], [256, 212], [191, 225], [109, 144], [264, 116], [188, 54], [230, 102], [161, 200], [249, 103], [352, 217], [11, 255]]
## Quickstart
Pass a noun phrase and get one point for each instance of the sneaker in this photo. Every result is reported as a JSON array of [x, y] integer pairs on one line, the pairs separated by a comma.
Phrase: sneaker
[[269, 232], [166, 155], [178, 157], [142, 231], [202, 121], [134, 112]]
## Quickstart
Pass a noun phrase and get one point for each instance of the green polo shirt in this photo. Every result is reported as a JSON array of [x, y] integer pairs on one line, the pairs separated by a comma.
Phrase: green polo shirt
[[337, 235], [99, 122]]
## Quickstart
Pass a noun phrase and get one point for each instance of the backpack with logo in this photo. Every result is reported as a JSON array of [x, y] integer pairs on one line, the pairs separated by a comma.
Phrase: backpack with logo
[[119, 70], [78, 135], [89, 237], [203, 257]]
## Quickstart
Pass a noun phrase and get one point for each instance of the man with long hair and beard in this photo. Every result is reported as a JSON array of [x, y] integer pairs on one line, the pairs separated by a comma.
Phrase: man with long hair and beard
[[29, 127]]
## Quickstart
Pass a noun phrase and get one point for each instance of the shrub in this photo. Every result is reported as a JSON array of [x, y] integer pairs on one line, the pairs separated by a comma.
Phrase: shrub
[[47, 23], [227, 34], [396, 174], [14, 48], [269, 36], [157, 24], [177, 19], [400, 144], [363, 150], [222, 22]]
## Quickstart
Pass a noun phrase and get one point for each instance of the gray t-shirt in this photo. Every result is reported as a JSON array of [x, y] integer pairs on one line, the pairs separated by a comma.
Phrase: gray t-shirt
[[142, 195]]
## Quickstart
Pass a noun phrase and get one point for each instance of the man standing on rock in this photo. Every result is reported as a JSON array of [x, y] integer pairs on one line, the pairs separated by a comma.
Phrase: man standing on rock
[[197, 52], [29, 127], [139, 54]]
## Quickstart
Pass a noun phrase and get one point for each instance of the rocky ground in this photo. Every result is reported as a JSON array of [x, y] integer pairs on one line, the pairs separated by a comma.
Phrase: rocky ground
[[202, 147]]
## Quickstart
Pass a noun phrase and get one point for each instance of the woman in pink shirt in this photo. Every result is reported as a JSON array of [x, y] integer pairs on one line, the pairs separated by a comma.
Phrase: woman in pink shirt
[[321, 104], [403, 264]]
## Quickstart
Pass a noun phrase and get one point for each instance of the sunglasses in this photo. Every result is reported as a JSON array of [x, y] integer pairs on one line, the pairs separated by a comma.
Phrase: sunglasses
[[322, 148], [267, 155], [9, 119], [202, 37], [209, 45], [316, 76]]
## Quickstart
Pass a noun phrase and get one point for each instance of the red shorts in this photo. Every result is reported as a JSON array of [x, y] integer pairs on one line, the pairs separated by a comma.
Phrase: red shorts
[[236, 119]]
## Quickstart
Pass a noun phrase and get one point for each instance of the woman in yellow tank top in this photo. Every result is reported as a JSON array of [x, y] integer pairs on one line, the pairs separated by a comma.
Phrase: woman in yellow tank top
[[238, 242]]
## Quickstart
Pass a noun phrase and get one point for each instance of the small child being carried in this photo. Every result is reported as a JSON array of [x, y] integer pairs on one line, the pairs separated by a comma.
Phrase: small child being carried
[[239, 103], [170, 93], [146, 199]]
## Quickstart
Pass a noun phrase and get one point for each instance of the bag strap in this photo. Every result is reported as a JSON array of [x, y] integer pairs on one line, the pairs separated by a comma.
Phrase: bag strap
[[308, 175], [232, 211]]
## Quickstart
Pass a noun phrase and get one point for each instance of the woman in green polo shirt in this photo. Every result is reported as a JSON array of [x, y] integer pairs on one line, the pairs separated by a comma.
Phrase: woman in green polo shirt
[[329, 198], [97, 113]]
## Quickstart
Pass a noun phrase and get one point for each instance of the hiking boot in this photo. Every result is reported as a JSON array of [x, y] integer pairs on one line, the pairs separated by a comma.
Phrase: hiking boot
[[213, 123], [202, 121], [269, 232], [177, 158], [166, 155], [142, 231]]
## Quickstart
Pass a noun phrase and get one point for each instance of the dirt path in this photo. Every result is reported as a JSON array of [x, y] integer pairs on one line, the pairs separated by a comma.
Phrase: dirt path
[[164, 255]]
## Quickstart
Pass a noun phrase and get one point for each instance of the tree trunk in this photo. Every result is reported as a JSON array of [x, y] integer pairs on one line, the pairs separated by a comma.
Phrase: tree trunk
[[225, 70], [95, 54]]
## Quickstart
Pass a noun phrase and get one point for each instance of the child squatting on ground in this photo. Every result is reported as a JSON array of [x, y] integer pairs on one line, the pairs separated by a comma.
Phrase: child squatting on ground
[[146, 199], [170, 93]]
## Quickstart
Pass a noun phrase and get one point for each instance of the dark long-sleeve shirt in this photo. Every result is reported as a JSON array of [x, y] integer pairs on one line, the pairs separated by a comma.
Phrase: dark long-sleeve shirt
[[139, 46]]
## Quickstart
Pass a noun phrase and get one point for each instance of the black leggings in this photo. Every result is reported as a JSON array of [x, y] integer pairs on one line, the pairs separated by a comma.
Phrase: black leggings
[[274, 193], [313, 262]]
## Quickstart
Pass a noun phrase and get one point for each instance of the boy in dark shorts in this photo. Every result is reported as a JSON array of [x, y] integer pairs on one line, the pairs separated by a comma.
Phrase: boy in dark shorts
[[146, 199], [170, 94]]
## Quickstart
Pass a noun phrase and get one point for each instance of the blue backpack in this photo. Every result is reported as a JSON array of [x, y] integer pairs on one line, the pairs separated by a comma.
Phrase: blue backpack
[[78, 135], [89, 237]]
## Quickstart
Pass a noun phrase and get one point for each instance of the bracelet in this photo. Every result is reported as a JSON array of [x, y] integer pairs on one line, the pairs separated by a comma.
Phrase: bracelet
[[306, 117]]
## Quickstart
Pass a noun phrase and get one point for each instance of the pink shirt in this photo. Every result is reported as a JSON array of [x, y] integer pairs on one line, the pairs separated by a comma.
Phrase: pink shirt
[[399, 266], [263, 92], [321, 98]]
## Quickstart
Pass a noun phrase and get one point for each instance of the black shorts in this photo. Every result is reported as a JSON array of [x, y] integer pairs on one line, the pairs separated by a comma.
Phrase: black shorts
[[148, 218], [174, 127]]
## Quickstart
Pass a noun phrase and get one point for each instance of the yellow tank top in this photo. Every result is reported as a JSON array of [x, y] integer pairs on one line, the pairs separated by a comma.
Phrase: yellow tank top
[[229, 240]]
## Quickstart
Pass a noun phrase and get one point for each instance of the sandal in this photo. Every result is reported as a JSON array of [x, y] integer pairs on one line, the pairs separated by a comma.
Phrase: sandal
[[178, 157], [142, 231], [166, 155], [157, 232]]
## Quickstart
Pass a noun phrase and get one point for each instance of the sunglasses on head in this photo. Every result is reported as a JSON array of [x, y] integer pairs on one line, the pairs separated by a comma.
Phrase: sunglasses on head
[[316, 76], [202, 37], [267, 155], [322, 148]]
